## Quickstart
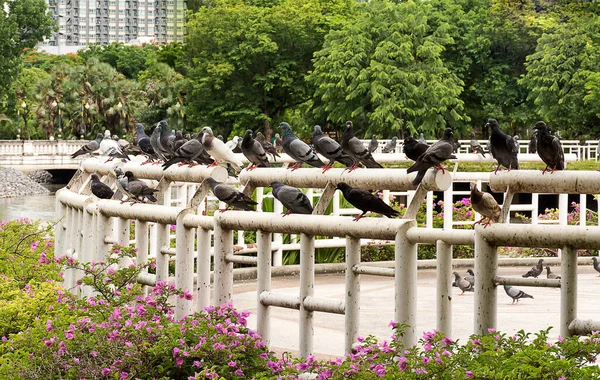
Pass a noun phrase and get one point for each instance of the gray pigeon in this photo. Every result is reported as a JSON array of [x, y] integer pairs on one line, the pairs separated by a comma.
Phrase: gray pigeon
[[139, 189], [90, 147], [536, 270], [292, 198], [100, 189], [532, 147], [355, 149], [390, 146], [330, 149], [365, 201], [267, 146], [179, 141], [476, 146], [122, 181], [278, 145], [165, 140], [422, 139], [485, 204], [551, 275], [515, 293], [298, 149], [217, 149], [470, 277], [228, 194], [596, 264], [154, 142], [142, 140], [549, 149], [186, 153], [462, 284], [437, 153], [373, 144], [502, 147], [254, 152]]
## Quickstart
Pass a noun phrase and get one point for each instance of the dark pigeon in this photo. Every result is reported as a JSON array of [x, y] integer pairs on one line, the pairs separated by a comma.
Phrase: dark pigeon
[[122, 181], [254, 152], [330, 149], [462, 284], [298, 149], [551, 275], [532, 147], [365, 201], [485, 204], [267, 146], [373, 144], [228, 194], [476, 146], [536, 270], [502, 147], [187, 153], [437, 153], [179, 141], [99, 189], [142, 140], [515, 293], [390, 146], [549, 148], [163, 140], [90, 147], [596, 265], [355, 149], [139, 189], [292, 198], [413, 148]]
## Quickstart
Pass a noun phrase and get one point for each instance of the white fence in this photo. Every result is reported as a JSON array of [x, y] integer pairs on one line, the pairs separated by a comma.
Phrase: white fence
[[88, 227]]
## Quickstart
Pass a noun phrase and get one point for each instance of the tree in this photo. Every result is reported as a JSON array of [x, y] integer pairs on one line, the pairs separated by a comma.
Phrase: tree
[[163, 88]]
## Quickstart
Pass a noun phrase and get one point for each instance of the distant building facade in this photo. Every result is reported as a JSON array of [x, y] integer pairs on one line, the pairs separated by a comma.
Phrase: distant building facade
[[83, 22]]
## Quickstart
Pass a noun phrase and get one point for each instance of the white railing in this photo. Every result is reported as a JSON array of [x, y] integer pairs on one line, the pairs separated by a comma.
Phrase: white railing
[[89, 227], [39, 147]]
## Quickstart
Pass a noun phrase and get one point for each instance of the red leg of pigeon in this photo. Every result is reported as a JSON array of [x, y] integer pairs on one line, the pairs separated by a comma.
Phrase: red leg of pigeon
[[156, 163], [216, 163], [288, 212], [352, 168], [192, 164], [497, 168], [487, 223], [327, 167], [297, 166], [356, 218], [224, 209], [146, 162], [109, 160], [440, 167]]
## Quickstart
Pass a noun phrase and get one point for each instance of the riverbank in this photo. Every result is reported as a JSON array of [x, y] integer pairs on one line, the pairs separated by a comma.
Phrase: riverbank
[[14, 183]]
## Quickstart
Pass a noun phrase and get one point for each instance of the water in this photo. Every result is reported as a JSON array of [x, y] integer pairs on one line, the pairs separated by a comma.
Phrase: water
[[32, 207]]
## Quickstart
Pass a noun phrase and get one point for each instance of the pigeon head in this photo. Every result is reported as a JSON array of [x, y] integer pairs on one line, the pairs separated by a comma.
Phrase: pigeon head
[[541, 126], [163, 124], [211, 182], [275, 184], [115, 137], [409, 140], [394, 139], [472, 135], [139, 127], [342, 186], [318, 130], [106, 134], [129, 175], [456, 275], [286, 129], [117, 170], [348, 124], [470, 271], [157, 130], [248, 134], [99, 137], [260, 137], [207, 131], [447, 134], [473, 186], [95, 178], [493, 123]]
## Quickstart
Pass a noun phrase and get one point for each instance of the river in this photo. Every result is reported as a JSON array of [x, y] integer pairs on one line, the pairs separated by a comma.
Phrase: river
[[33, 207]]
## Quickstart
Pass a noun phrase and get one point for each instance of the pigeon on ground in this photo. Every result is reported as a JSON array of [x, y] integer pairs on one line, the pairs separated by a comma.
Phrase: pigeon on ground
[[390, 146], [142, 140], [373, 144], [139, 189], [298, 149], [422, 139], [254, 152], [437, 153], [217, 149], [535, 270], [267, 146], [110, 148], [596, 264], [99, 189], [502, 147], [90, 147], [122, 181], [365, 201], [549, 149], [292, 198], [532, 147], [551, 275], [484, 204], [186, 153], [462, 284], [278, 144], [413, 148], [470, 277], [355, 149], [476, 146], [228, 194], [515, 293], [330, 149]]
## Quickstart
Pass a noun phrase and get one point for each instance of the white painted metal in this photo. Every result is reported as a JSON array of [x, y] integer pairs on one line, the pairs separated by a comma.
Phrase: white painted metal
[[486, 263], [583, 327], [263, 284], [559, 182], [184, 266], [203, 269], [223, 278], [519, 281], [307, 287], [444, 288], [568, 289], [352, 293], [406, 294], [162, 260]]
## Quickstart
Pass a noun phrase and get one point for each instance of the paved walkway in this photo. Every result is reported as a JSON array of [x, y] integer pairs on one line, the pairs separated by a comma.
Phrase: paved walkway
[[377, 308]]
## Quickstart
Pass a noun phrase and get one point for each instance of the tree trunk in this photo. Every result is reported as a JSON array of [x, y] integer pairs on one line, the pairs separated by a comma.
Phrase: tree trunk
[[268, 130]]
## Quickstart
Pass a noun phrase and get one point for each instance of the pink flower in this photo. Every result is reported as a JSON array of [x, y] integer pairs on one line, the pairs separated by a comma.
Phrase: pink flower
[[105, 371], [469, 375]]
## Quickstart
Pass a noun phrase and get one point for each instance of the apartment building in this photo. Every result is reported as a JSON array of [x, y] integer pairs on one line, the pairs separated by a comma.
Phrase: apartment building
[[82, 22]]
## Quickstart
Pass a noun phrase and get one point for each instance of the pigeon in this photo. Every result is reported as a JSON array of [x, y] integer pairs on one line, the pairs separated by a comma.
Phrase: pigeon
[[596, 265], [390, 146], [515, 293], [186, 152], [99, 189], [532, 147], [179, 141], [470, 277], [484, 204], [165, 140], [330, 149], [355, 149], [110, 148], [437, 153], [217, 149], [254, 152], [233, 143], [502, 147], [413, 148], [142, 140], [373, 144], [267, 146], [476, 146], [462, 284], [154, 143], [228, 194], [298, 149], [90, 147], [535, 270], [365, 201], [122, 181], [551, 275], [549, 149], [278, 144], [292, 198], [139, 189], [123, 144], [516, 139], [422, 139]]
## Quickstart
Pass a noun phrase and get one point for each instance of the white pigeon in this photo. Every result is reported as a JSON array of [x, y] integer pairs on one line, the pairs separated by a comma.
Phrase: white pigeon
[[111, 148], [218, 150], [233, 143]]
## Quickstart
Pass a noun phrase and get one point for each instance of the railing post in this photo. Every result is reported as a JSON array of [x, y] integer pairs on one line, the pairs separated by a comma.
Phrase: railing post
[[307, 287], [563, 211], [163, 240], [406, 287], [104, 231], [486, 263], [277, 238], [141, 242], [223, 274], [352, 293], [263, 256], [184, 266], [203, 270], [444, 288], [59, 234], [568, 289]]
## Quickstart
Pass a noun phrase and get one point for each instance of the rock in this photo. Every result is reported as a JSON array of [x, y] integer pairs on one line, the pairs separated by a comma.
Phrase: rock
[[13, 183], [40, 176]]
